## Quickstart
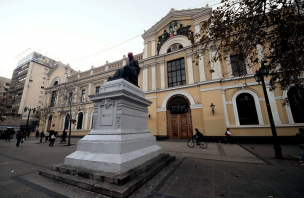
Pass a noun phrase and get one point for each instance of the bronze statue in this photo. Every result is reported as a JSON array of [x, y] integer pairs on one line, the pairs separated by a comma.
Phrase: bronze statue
[[129, 72]]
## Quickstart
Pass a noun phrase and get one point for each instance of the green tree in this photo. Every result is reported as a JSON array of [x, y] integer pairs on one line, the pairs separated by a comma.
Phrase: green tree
[[239, 26]]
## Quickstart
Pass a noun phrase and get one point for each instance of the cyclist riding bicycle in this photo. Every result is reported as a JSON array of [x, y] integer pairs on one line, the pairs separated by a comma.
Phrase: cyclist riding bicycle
[[198, 136]]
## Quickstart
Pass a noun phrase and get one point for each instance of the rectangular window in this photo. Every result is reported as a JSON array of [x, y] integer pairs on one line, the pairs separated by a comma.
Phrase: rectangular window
[[7, 84], [41, 92], [42, 82], [39, 102], [176, 73], [40, 96], [44, 78], [82, 95], [238, 66], [42, 87], [97, 90]]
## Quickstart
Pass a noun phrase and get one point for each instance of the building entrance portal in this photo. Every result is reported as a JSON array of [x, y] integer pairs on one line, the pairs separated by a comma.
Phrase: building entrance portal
[[179, 124]]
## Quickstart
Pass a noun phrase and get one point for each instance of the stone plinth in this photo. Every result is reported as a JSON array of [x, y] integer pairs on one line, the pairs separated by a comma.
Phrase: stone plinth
[[120, 139]]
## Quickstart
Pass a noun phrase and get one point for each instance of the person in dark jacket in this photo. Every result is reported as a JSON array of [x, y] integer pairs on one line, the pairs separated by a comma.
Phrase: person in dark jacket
[[7, 136], [41, 136], [52, 138], [19, 137], [198, 136]]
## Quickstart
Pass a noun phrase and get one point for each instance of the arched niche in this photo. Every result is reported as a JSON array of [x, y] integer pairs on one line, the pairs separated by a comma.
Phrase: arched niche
[[178, 39]]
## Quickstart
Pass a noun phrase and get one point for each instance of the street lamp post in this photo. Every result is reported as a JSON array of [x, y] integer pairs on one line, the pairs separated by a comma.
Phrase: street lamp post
[[29, 110], [259, 77]]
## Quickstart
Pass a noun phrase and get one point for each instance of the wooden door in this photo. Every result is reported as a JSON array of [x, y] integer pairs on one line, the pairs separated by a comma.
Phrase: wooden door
[[180, 125], [49, 124]]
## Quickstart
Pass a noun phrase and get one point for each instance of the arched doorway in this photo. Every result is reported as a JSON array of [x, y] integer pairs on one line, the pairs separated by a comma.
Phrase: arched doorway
[[296, 102], [179, 121], [49, 123]]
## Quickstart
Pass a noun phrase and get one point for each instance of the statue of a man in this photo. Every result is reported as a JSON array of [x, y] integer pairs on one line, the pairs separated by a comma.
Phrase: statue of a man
[[129, 72]]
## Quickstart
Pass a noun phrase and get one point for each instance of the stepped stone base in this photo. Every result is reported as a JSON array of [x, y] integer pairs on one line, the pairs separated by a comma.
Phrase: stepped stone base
[[109, 184]]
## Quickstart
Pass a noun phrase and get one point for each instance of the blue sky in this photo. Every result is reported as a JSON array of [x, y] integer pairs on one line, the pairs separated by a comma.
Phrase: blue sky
[[68, 30]]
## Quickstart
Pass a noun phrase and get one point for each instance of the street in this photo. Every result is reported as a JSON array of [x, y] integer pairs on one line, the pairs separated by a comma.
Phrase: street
[[221, 170]]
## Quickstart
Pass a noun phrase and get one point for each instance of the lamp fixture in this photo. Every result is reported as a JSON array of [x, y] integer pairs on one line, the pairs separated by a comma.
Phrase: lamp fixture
[[212, 108]]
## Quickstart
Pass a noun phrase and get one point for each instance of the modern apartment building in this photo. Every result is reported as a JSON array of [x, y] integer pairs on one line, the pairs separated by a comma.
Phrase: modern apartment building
[[28, 85]]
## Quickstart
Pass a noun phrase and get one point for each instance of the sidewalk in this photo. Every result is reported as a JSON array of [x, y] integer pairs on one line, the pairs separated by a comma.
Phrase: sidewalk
[[221, 170]]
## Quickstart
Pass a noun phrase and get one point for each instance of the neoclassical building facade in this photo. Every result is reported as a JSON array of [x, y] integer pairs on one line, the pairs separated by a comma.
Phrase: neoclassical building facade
[[184, 93]]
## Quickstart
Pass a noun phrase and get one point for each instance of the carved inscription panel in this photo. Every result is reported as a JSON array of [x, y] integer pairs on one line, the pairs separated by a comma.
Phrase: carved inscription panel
[[107, 112]]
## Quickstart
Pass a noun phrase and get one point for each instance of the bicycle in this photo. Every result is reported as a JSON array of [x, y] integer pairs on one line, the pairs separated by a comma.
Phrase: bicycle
[[201, 143]]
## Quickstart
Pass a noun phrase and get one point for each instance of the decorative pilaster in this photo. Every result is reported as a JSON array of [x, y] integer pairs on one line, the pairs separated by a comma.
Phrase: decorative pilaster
[[145, 55], [201, 66], [225, 108], [145, 78], [162, 75], [273, 105], [260, 52], [153, 76], [153, 47], [190, 69], [90, 89], [87, 119], [216, 66]]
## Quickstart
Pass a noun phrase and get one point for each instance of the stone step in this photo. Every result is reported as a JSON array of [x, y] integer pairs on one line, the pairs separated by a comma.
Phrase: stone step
[[110, 177], [105, 188]]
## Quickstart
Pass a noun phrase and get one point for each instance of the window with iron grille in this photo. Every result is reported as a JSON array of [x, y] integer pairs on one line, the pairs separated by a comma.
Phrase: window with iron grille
[[97, 89], [238, 66], [176, 73]]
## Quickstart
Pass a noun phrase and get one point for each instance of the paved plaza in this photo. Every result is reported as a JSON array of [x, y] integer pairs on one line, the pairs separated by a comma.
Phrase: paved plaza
[[221, 170]]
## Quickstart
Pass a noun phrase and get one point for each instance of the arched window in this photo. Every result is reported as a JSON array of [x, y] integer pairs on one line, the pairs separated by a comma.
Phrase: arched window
[[296, 102], [55, 83], [246, 109], [80, 119], [66, 123]]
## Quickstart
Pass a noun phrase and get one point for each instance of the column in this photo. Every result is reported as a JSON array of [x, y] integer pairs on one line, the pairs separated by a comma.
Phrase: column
[[86, 119], [76, 116], [145, 55], [260, 53], [145, 78], [153, 77], [273, 106], [44, 99], [216, 66], [201, 67], [76, 92], [162, 75], [92, 70], [225, 107], [153, 47], [190, 69]]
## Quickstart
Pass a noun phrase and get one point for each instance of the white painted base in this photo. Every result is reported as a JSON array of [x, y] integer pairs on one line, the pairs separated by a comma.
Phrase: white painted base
[[119, 140]]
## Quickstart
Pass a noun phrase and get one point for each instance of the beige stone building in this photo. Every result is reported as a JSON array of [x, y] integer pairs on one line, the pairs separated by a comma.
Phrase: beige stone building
[[185, 94]]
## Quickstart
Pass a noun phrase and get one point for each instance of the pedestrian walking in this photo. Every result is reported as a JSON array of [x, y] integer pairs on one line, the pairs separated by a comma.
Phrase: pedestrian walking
[[47, 134], [37, 133], [1, 132], [41, 136], [228, 136], [12, 133], [19, 137], [7, 136], [300, 139], [52, 138]]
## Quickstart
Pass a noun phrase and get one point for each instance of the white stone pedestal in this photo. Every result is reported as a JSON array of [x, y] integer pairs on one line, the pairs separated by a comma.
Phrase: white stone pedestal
[[120, 139]]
